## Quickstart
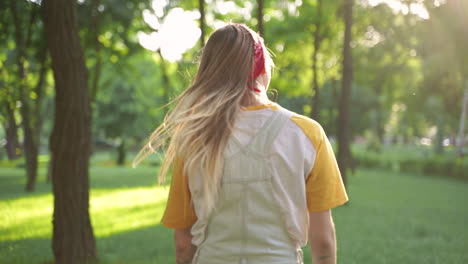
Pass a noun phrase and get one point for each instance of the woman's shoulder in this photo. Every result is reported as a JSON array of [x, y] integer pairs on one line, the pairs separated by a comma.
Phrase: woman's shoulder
[[299, 123], [310, 127]]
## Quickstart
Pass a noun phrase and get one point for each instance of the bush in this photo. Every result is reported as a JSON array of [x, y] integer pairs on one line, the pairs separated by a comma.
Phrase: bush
[[446, 166]]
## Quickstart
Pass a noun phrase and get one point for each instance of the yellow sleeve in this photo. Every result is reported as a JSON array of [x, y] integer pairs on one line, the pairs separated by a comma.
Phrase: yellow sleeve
[[179, 212], [324, 185]]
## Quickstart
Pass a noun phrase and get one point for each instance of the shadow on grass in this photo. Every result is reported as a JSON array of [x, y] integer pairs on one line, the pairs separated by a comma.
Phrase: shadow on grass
[[150, 245], [25, 251], [13, 182], [153, 244]]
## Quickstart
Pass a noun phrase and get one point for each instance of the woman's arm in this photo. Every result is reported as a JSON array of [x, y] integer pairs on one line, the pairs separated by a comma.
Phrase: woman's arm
[[185, 250], [322, 237]]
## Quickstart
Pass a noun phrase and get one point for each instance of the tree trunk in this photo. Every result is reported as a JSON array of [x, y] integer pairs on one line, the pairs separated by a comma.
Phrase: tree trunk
[[165, 78], [439, 138], [29, 144], [260, 17], [49, 168], [344, 128], [95, 30], [11, 133], [379, 119], [121, 153], [40, 94], [73, 239], [96, 75], [317, 43], [201, 6], [461, 128], [95, 25]]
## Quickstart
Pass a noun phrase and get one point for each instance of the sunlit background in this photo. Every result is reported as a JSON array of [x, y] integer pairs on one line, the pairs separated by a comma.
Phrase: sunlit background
[[408, 179], [178, 31]]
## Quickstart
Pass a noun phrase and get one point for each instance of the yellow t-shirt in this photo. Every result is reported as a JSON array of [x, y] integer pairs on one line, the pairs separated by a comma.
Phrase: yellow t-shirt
[[324, 188]]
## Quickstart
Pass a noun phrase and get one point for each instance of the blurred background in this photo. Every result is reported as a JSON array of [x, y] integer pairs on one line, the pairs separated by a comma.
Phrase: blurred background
[[387, 79]]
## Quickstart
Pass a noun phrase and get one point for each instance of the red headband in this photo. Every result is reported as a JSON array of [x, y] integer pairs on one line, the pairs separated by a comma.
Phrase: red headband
[[258, 66]]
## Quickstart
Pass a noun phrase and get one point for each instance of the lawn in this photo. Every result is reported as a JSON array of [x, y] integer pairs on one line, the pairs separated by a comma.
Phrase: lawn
[[392, 218]]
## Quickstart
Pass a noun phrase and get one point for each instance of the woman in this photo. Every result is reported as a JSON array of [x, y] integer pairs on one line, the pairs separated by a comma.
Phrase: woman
[[250, 178]]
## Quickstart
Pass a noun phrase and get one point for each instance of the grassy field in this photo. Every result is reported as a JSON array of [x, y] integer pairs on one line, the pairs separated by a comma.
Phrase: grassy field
[[392, 218]]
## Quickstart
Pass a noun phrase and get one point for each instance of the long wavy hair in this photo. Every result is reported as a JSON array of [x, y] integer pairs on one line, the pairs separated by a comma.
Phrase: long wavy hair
[[197, 129]]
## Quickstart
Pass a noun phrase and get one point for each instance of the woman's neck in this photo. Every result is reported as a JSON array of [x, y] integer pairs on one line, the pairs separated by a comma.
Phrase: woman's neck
[[256, 98], [261, 99]]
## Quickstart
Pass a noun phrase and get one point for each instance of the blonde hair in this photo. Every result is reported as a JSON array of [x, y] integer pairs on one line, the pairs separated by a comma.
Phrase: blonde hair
[[201, 122]]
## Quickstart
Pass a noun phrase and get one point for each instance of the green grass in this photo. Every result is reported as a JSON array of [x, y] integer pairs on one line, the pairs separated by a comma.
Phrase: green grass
[[392, 218], [402, 218], [125, 208]]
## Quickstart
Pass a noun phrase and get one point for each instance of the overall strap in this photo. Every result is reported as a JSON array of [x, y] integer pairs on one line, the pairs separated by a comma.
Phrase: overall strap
[[240, 147], [260, 143], [263, 140]]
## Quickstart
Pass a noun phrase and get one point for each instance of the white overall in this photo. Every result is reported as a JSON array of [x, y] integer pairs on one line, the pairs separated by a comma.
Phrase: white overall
[[248, 225]]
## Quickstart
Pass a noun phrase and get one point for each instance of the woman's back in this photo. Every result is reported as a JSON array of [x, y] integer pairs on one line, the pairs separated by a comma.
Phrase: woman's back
[[247, 225], [279, 165], [245, 182]]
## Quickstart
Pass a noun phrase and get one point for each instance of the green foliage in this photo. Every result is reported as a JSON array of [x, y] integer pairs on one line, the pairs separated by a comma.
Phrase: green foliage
[[411, 159], [408, 71]]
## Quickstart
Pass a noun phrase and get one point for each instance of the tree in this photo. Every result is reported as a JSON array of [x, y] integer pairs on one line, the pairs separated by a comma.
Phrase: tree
[[461, 129], [201, 8], [94, 28], [387, 72], [165, 78], [117, 106], [73, 239], [7, 94], [7, 108], [461, 30], [344, 150], [260, 17], [444, 67], [30, 142], [317, 42], [109, 26]]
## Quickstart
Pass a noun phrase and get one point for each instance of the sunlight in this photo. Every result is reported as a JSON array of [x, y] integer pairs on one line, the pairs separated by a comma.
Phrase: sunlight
[[293, 7], [437, 3], [420, 10], [230, 7], [112, 211], [122, 210], [151, 19], [178, 32], [226, 7], [219, 24], [158, 7], [399, 6], [26, 217], [371, 38], [149, 41]]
